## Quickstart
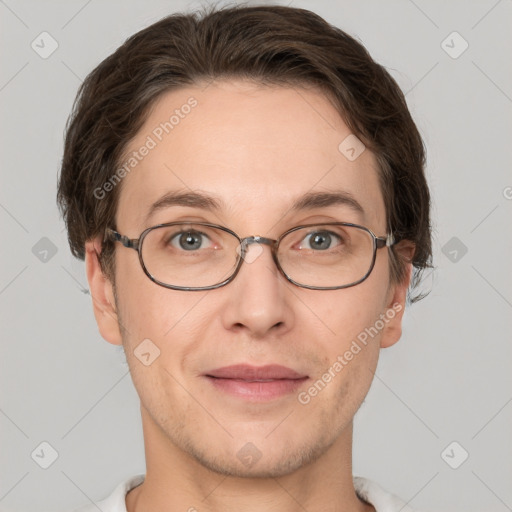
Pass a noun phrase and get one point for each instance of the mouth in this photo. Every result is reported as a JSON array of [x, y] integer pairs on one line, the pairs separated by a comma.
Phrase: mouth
[[256, 383]]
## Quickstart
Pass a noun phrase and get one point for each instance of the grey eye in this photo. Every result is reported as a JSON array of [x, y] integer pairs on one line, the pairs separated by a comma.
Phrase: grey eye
[[188, 240], [321, 240]]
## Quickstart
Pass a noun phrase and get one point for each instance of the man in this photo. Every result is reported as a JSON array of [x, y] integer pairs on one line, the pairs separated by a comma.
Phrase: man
[[247, 189]]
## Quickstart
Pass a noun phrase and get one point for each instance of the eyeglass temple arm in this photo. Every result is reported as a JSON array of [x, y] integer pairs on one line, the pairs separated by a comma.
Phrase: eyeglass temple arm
[[387, 241], [130, 243]]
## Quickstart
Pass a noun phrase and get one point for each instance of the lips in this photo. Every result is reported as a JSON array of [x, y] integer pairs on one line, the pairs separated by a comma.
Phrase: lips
[[255, 383], [250, 373]]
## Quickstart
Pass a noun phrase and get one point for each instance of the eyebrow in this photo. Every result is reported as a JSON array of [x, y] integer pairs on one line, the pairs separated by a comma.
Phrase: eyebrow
[[312, 200], [191, 199], [308, 201]]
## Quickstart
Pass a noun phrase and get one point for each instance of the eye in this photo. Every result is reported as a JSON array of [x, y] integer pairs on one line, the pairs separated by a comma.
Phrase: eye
[[321, 240], [190, 240]]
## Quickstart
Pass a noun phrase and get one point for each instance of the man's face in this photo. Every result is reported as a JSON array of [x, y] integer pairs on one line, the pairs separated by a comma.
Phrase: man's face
[[257, 149]]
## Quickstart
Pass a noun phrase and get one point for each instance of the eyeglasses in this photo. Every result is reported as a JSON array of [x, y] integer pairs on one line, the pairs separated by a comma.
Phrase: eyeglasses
[[202, 256]]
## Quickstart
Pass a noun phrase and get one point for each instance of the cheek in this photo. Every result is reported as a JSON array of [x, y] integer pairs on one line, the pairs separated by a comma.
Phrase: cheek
[[348, 312], [148, 310], [164, 323], [163, 318], [350, 350], [159, 339]]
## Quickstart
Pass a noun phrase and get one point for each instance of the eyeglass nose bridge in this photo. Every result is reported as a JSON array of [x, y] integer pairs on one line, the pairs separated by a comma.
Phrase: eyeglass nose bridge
[[245, 242]]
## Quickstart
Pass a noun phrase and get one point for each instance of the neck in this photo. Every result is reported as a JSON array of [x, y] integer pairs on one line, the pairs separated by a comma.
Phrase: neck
[[176, 480]]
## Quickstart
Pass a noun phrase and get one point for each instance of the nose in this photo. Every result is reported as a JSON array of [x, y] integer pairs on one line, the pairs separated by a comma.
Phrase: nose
[[258, 296]]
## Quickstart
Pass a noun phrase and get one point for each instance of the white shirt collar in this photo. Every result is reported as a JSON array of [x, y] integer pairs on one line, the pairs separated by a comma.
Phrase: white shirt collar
[[367, 490]]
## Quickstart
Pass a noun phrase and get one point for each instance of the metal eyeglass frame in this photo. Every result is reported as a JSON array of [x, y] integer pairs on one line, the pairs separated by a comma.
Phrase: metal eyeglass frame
[[136, 244]]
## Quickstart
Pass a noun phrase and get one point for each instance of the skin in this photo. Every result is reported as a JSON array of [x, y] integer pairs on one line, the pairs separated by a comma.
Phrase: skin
[[257, 147]]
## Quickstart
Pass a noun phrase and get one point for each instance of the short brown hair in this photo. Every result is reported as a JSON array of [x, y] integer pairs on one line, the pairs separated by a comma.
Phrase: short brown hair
[[274, 45]]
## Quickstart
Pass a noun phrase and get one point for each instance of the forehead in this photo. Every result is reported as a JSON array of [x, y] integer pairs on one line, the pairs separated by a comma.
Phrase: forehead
[[255, 148]]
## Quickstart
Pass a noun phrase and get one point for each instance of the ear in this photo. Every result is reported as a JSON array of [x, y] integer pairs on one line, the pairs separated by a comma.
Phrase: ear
[[102, 294], [397, 296]]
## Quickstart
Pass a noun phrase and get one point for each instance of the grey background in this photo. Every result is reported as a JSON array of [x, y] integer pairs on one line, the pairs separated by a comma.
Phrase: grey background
[[447, 380]]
